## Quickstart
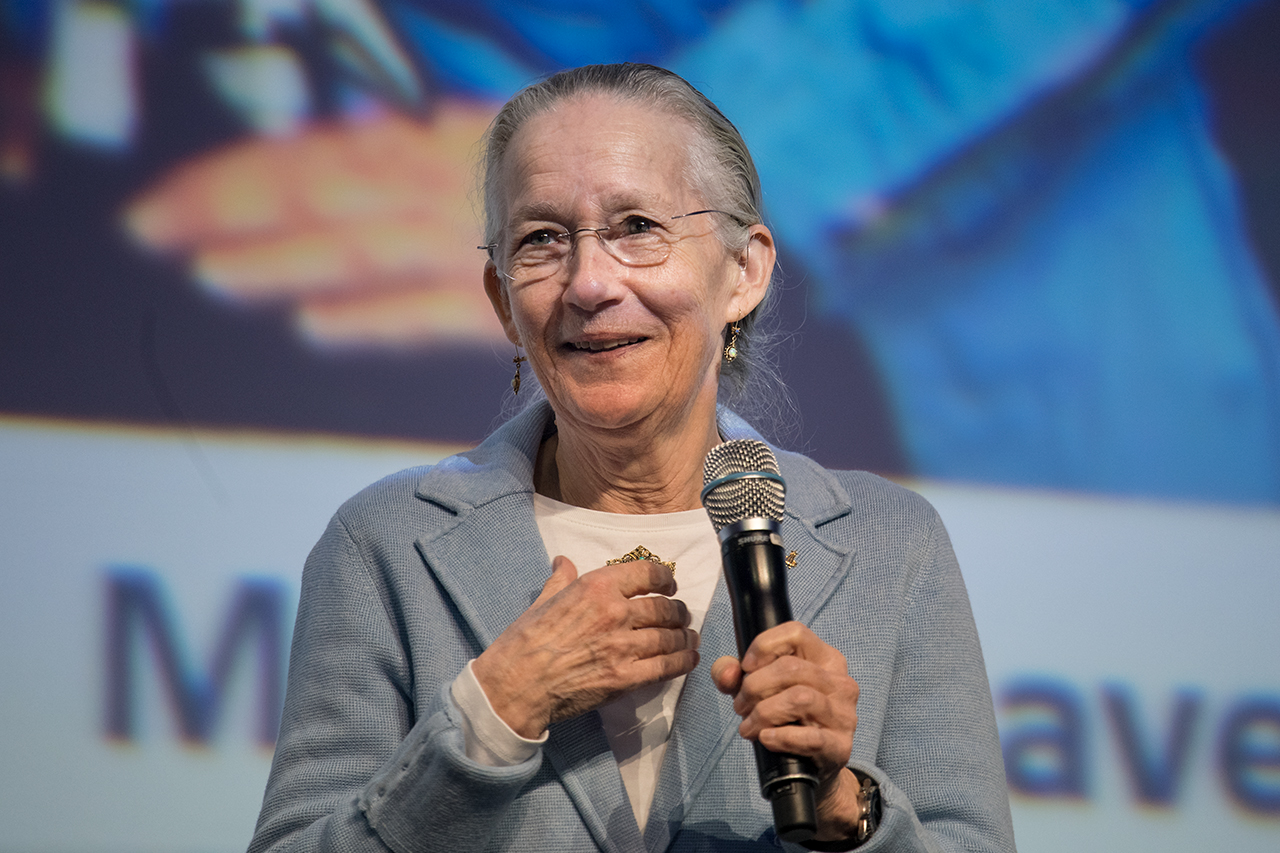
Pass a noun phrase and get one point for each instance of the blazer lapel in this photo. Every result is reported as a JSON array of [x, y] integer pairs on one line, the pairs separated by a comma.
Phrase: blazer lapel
[[489, 558], [705, 723], [580, 754]]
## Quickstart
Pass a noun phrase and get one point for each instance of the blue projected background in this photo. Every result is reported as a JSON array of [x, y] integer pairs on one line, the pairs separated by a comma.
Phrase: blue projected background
[[1030, 260]]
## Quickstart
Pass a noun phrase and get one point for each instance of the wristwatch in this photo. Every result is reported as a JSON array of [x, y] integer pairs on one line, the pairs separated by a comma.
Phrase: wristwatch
[[868, 819], [869, 816]]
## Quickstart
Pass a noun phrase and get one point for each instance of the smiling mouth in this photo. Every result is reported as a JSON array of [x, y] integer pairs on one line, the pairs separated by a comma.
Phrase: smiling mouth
[[602, 346]]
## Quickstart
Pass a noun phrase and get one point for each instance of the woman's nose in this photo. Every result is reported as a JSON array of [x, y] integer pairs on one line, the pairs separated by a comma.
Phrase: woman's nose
[[594, 276]]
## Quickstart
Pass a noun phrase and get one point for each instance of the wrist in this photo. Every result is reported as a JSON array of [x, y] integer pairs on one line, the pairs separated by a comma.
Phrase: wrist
[[487, 739], [508, 699], [849, 814]]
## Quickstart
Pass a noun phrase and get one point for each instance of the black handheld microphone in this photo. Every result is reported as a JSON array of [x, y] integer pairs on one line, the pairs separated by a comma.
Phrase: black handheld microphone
[[744, 494]]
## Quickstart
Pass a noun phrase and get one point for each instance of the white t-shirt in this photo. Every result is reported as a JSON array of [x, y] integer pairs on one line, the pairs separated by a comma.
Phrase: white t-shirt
[[637, 724]]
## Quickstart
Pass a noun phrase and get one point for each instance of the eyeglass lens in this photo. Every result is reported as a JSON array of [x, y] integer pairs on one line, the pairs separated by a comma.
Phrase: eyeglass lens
[[635, 241]]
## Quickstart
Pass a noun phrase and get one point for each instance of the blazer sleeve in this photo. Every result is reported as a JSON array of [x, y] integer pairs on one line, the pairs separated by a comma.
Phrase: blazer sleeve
[[938, 760], [357, 766]]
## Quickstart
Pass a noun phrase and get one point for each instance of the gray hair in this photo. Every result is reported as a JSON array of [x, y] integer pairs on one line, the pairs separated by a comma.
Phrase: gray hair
[[720, 165]]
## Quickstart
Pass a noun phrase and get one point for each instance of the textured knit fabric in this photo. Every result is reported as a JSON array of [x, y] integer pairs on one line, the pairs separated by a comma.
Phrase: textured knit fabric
[[420, 572]]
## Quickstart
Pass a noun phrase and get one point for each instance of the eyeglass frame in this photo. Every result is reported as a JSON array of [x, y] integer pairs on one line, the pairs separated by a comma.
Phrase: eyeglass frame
[[569, 236]]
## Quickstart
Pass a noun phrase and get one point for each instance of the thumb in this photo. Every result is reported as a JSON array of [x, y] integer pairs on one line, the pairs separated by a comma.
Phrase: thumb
[[726, 674], [563, 573]]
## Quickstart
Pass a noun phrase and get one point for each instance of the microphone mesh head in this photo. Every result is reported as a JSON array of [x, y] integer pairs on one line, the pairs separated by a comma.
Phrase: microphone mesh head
[[748, 497]]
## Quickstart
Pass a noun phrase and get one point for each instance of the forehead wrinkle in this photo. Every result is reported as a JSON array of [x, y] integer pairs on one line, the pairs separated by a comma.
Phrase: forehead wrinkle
[[647, 176], [609, 205], [612, 204]]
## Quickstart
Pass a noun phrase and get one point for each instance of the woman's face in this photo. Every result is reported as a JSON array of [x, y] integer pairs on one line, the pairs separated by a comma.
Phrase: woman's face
[[614, 345]]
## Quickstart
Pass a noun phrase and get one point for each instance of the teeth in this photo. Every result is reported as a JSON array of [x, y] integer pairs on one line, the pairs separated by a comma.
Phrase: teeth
[[602, 346]]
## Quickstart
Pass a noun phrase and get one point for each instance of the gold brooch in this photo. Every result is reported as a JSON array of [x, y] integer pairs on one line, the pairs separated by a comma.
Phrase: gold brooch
[[642, 553], [791, 560]]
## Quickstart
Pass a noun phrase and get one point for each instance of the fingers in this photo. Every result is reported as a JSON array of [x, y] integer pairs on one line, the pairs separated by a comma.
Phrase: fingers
[[791, 639], [794, 694], [655, 642], [660, 653], [803, 699], [796, 677], [623, 594], [660, 612], [803, 720], [791, 690], [788, 673], [640, 577], [829, 748], [669, 666]]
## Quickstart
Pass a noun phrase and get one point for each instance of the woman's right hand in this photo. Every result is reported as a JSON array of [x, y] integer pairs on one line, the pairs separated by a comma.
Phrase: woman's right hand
[[586, 640]]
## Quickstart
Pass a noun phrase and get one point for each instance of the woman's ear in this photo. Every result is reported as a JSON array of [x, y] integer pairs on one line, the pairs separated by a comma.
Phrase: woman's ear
[[755, 271], [496, 289]]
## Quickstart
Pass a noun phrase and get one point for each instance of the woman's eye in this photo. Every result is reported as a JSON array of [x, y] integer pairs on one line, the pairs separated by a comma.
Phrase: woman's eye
[[541, 237], [638, 225]]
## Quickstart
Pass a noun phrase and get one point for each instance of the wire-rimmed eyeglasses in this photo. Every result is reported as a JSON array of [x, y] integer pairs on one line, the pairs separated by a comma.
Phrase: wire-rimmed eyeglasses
[[634, 241]]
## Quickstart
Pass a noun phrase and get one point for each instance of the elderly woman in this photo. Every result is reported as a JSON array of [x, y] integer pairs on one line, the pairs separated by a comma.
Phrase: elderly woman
[[482, 663]]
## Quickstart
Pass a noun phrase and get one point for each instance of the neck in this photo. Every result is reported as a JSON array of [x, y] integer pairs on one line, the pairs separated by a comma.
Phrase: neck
[[633, 470]]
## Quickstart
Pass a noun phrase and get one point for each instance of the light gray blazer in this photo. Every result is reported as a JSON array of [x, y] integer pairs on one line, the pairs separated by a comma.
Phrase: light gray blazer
[[421, 571]]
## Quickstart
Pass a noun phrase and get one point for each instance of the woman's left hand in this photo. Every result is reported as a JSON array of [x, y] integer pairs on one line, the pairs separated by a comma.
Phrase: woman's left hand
[[795, 695]]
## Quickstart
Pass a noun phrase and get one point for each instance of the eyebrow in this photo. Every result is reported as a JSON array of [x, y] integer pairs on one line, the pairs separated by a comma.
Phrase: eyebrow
[[535, 211]]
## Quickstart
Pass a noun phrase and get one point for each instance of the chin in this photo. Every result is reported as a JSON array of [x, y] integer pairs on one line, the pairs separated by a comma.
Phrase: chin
[[609, 417], [607, 406]]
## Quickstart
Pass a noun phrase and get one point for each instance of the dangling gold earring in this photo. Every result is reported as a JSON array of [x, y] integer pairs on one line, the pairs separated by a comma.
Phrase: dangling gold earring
[[731, 348], [515, 380]]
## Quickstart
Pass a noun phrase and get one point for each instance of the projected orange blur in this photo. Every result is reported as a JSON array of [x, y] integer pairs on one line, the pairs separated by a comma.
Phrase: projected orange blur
[[366, 229]]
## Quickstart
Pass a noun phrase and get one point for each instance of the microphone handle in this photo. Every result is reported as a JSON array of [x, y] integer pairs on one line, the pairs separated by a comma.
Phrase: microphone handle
[[751, 551]]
